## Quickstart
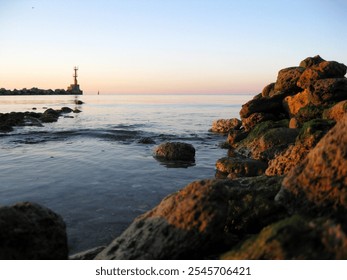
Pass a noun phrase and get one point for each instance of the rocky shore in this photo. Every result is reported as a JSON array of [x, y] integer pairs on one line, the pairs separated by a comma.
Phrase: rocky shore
[[280, 192]]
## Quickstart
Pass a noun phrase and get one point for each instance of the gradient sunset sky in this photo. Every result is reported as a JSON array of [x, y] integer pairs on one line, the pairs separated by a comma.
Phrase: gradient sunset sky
[[164, 46]]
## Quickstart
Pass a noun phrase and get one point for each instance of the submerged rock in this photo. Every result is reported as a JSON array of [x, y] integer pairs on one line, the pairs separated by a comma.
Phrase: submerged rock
[[175, 151], [31, 231]]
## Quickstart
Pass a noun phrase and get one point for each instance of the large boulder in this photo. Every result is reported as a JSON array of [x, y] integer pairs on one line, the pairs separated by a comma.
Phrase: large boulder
[[266, 105], [309, 135], [328, 90], [175, 151], [30, 231], [287, 79], [336, 112], [267, 139], [225, 125], [292, 104], [323, 70], [295, 238], [311, 61], [235, 167], [199, 220], [250, 122], [319, 183]]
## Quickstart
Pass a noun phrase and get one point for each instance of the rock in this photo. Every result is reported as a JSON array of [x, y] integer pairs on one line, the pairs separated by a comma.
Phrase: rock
[[294, 238], [292, 104], [31, 231], [308, 113], [50, 115], [66, 110], [271, 105], [311, 61], [225, 125], [88, 254], [235, 136], [240, 167], [293, 123], [336, 112], [287, 80], [323, 70], [308, 137], [268, 90], [199, 220], [146, 140], [79, 102], [250, 122], [76, 111], [313, 130], [286, 160], [267, 139], [319, 183], [175, 151], [328, 90]]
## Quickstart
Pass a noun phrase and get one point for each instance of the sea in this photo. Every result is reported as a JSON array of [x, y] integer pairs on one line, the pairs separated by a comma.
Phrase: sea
[[91, 167]]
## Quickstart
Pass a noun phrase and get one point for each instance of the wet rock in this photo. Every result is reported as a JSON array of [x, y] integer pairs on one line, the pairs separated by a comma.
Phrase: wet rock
[[287, 80], [65, 110], [146, 140], [235, 167], [31, 231], [199, 220], [49, 116], [328, 90], [175, 151], [323, 70], [336, 112], [319, 182], [225, 125], [294, 238]]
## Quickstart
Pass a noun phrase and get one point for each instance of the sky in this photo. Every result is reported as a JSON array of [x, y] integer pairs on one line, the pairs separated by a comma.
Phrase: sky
[[164, 46]]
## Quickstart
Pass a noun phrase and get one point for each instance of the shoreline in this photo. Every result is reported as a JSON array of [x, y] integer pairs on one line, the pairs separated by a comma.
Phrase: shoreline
[[279, 192]]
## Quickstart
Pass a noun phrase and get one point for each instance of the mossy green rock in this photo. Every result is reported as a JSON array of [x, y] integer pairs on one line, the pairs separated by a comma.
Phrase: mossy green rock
[[295, 238]]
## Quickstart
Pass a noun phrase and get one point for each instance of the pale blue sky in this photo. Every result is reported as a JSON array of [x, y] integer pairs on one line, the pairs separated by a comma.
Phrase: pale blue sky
[[164, 46]]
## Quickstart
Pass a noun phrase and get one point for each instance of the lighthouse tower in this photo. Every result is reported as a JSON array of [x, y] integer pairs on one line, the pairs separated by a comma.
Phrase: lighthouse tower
[[75, 87]]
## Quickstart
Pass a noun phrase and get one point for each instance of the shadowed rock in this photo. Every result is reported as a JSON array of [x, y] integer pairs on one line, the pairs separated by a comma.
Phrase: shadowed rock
[[295, 238], [199, 221], [31, 231]]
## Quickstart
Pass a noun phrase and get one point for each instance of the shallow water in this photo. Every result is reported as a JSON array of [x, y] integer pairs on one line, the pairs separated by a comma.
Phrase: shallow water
[[90, 168]]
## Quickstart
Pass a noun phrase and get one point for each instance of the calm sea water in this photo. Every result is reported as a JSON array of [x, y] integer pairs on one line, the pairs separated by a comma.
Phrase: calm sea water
[[90, 168]]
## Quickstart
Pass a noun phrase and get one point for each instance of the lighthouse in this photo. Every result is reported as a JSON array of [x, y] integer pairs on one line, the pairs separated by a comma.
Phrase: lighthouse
[[75, 87]]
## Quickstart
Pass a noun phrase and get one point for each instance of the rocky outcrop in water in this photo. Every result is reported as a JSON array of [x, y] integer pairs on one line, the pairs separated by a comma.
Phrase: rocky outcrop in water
[[10, 120], [29, 231], [175, 151], [293, 131]]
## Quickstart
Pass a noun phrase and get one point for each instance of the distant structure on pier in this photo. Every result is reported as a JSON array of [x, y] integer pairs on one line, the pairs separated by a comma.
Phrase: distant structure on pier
[[75, 87]]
